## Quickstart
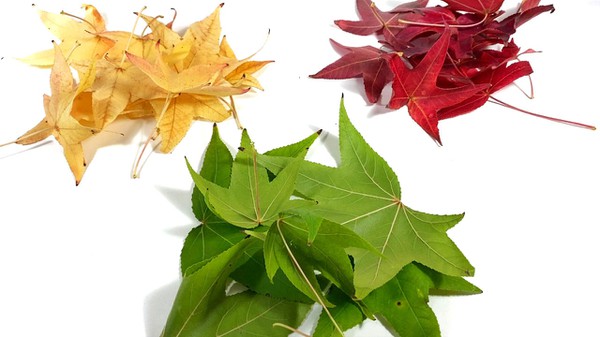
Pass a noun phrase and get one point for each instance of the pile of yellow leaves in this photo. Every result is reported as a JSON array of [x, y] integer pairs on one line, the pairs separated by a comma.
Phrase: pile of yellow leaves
[[160, 74]]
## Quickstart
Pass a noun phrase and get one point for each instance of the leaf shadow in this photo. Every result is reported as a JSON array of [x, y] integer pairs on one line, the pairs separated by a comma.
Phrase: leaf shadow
[[380, 108], [355, 86], [157, 306], [331, 143], [182, 201], [121, 132], [26, 149]]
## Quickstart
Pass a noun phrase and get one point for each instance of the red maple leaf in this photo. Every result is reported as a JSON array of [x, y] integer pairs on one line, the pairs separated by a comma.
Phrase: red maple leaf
[[442, 61], [475, 6], [375, 21], [417, 88], [367, 62], [497, 78]]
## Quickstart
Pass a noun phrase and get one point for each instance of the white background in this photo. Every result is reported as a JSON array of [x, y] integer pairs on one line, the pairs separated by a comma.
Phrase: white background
[[101, 259]]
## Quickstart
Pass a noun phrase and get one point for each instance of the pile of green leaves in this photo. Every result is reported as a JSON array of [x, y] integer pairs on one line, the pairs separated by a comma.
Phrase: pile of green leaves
[[279, 234]]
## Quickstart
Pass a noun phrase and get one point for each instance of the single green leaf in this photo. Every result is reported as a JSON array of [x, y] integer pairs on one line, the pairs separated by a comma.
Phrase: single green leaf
[[252, 199], [401, 304], [217, 163], [249, 314], [199, 292], [216, 167], [214, 235], [363, 194], [346, 313]]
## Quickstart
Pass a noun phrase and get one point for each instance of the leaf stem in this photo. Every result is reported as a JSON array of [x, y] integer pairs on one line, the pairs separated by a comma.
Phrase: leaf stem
[[439, 25], [149, 23], [137, 19], [153, 135], [231, 106], [256, 187], [506, 105], [297, 265], [78, 18], [287, 327]]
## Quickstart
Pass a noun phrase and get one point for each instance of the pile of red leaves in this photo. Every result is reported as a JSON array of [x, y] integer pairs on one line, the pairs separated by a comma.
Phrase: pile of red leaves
[[442, 61]]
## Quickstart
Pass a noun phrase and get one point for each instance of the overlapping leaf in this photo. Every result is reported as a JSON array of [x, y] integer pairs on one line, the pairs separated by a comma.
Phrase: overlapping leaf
[[256, 200], [339, 237], [402, 302], [364, 195], [59, 120], [437, 58], [417, 88], [175, 79]]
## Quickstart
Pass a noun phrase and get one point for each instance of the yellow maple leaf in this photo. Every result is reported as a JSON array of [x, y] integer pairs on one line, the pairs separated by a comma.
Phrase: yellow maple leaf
[[161, 74], [59, 121], [174, 122], [79, 38]]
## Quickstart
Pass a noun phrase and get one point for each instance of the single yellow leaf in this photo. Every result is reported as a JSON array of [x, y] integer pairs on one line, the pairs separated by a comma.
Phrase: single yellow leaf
[[58, 120], [206, 36], [183, 109], [79, 39], [188, 80]]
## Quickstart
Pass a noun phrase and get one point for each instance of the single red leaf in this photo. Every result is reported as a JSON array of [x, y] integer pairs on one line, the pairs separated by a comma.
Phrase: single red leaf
[[372, 20], [475, 6], [417, 89], [497, 78], [367, 62], [375, 21]]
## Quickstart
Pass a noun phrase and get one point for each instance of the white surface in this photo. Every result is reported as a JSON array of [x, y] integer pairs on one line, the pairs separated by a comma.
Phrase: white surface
[[101, 259]]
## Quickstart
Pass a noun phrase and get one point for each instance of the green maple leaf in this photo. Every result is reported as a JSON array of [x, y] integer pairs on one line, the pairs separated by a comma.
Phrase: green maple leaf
[[203, 289], [401, 303], [363, 193], [288, 247], [252, 198], [249, 314], [214, 235], [347, 313]]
